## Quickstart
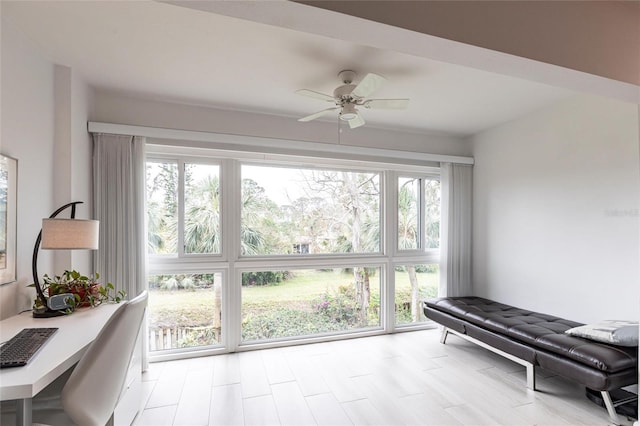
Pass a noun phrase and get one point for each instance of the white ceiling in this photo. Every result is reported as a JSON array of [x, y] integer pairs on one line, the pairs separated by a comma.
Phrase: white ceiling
[[164, 51]]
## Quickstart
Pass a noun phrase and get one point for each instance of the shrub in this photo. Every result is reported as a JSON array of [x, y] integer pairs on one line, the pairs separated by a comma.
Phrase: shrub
[[264, 277], [285, 322], [337, 308], [181, 281], [202, 336], [403, 315], [403, 303], [177, 282], [430, 268]]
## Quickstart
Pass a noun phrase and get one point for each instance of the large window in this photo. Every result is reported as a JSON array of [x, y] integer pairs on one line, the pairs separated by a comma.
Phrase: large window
[[185, 310], [243, 252], [414, 283], [418, 228], [409, 235], [431, 208], [309, 211], [202, 209], [311, 301], [418, 213], [162, 207], [169, 182]]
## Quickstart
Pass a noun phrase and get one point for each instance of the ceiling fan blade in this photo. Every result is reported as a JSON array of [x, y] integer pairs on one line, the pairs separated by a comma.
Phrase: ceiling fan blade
[[369, 84], [387, 103], [356, 122], [315, 95], [317, 114]]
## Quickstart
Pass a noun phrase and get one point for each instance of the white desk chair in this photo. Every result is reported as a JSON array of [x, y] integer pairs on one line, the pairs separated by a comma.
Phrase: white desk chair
[[93, 389]]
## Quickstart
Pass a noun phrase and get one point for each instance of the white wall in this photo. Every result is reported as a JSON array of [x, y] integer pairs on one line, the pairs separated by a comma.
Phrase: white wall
[[82, 100], [27, 132], [556, 211], [43, 126], [73, 152], [119, 109]]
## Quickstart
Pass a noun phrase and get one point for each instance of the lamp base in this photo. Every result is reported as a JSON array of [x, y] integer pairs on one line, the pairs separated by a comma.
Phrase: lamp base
[[48, 314]]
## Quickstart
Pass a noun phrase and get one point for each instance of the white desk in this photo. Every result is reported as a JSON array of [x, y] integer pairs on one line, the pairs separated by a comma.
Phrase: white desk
[[60, 352]]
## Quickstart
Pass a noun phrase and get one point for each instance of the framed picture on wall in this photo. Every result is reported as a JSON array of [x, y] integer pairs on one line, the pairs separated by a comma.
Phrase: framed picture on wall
[[8, 206]]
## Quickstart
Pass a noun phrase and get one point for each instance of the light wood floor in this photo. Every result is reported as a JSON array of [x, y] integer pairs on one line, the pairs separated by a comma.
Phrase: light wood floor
[[401, 379]]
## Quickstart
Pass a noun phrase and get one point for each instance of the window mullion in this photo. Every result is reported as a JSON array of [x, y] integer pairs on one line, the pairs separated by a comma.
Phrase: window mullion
[[390, 227], [422, 207], [231, 211], [181, 198]]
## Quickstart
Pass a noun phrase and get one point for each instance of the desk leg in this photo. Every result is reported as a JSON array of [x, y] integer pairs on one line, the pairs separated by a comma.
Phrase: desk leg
[[23, 412]]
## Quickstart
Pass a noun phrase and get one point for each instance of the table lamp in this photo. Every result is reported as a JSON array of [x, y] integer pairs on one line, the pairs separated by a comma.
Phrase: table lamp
[[61, 234]]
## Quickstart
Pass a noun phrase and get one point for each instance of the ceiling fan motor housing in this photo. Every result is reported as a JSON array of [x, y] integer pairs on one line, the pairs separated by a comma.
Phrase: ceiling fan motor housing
[[347, 76], [345, 98], [343, 93]]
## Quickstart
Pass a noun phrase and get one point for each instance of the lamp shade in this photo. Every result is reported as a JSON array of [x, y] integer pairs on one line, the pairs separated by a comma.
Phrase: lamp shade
[[70, 234]]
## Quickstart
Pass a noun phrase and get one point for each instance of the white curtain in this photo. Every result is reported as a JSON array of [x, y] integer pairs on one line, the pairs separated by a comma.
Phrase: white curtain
[[118, 167], [119, 199], [455, 229]]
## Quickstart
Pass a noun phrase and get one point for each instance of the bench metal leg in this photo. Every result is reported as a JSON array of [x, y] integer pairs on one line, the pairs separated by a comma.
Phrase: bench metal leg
[[531, 376], [531, 369], [443, 336], [611, 405], [608, 402], [531, 373]]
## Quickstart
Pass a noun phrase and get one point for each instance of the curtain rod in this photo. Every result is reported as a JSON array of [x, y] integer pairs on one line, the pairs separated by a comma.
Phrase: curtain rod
[[269, 143]]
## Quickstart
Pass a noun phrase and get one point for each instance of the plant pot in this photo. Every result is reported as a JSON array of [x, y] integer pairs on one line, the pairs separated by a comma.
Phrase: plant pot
[[81, 291]]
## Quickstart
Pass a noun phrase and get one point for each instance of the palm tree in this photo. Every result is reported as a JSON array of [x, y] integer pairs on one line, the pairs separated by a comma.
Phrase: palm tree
[[408, 236], [432, 216], [161, 184], [254, 206], [407, 214], [202, 217], [157, 240]]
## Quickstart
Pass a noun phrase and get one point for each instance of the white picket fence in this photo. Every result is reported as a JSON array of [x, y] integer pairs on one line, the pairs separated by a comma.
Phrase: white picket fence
[[161, 338]]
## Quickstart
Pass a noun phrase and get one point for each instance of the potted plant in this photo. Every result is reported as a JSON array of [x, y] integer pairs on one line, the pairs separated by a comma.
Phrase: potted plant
[[87, 291]]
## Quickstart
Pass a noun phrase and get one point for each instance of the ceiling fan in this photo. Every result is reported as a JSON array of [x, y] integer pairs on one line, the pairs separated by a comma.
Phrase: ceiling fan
[[348, 96]]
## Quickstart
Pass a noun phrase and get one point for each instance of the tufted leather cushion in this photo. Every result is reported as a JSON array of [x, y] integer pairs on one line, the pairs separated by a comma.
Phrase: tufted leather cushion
[[538, 330]]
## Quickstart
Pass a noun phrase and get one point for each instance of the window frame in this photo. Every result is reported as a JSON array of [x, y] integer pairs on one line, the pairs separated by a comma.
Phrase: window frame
[[381, 216], [421, 213], [180, 256], [231, 263], [413, 325], [431, 254], [220, 347], [375, 329]]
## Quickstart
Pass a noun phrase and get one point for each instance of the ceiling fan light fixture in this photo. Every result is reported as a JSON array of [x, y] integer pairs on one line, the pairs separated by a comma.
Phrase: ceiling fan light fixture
[[348, 112]]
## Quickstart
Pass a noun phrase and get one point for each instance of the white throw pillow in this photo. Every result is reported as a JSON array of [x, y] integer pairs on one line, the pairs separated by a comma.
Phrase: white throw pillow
[[616, 332]]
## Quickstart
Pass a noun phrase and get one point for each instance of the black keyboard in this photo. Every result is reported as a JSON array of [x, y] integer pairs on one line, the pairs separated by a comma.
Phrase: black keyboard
[[23, 346]]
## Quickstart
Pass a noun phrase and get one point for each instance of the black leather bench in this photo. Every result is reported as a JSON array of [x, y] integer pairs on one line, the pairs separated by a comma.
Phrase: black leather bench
[[533, 339]]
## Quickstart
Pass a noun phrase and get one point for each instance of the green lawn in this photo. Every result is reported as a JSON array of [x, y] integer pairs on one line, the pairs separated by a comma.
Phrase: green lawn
[[193, 307], [307, 284], [303, 286]]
